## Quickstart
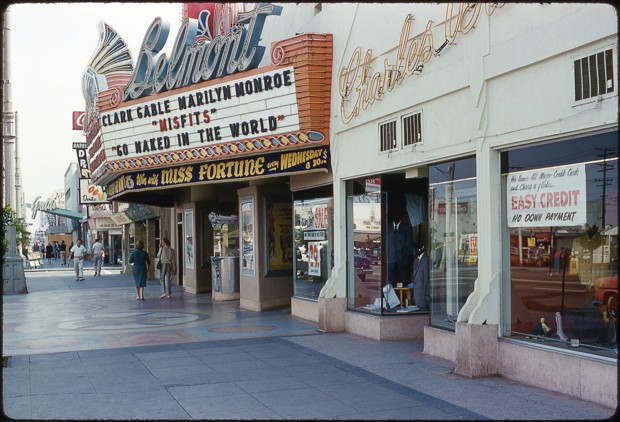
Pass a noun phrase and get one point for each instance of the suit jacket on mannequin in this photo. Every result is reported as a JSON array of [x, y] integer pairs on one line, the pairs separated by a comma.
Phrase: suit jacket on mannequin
[[421, 281], [399, 251]]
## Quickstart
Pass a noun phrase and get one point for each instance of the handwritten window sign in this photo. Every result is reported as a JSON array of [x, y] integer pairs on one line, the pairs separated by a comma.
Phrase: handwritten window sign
[[547, 197]]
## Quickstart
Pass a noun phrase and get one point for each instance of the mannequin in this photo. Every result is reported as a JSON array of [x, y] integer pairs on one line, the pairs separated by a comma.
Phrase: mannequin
[[583, 249], [421, 276], [400, 249], [558, 323]]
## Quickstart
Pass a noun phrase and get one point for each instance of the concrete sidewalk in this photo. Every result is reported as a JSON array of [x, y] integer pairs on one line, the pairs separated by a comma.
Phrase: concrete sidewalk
[[89, 350]]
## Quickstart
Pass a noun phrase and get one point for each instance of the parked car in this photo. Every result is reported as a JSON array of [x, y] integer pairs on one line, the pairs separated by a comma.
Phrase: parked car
[[606, 292], [362, 266], [374, 260]]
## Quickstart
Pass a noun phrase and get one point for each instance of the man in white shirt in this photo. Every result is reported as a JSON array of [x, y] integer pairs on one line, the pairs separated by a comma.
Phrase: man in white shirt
[[96, 252], [79, 253]]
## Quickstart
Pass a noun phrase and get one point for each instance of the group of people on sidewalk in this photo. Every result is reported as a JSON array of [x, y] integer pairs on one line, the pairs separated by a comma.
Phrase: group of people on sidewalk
[[166, 263], [53, 250]]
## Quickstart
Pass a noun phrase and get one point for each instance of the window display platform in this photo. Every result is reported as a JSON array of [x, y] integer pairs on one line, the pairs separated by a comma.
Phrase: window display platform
[[592, 349], [404, 327]]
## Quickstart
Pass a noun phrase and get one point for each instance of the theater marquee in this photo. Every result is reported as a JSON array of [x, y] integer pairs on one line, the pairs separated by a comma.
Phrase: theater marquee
[[151, 118], [276, 164]]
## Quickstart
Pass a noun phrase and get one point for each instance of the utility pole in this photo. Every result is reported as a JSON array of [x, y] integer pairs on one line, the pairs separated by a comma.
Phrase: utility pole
[[20, 209], [13, 277], [8, 121], [604, 182]]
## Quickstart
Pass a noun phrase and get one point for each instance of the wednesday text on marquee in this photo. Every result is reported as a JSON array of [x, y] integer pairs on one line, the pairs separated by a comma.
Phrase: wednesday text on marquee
[[272, 164]]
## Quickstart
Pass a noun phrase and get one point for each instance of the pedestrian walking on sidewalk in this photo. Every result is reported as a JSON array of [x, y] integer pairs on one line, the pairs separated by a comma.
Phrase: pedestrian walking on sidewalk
[[97, 253], [70, 260], [63, 252], [167, 257], [79, 253], [141, 263], [49, 253]]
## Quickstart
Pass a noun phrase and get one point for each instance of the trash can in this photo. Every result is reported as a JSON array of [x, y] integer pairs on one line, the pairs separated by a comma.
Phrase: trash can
[[225, 274]]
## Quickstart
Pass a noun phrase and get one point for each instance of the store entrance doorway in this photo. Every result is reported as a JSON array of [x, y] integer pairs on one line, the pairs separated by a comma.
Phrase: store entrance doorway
[[116, 242]]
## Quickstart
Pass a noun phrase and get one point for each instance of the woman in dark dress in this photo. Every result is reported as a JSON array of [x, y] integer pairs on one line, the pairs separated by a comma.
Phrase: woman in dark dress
[[141, 262], [49, 252]]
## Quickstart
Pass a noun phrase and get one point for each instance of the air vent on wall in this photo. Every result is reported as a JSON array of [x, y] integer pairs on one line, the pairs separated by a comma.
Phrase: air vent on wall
[[387, 136], [594, 75], [412, 129]]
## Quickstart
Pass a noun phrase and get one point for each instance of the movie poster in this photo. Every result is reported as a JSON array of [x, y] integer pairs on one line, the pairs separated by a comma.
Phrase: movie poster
[[280, 236], [247, 237]]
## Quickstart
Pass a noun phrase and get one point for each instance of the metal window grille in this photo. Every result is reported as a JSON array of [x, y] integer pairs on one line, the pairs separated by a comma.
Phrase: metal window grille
[[594, 75], [387, 136], [412, 129]]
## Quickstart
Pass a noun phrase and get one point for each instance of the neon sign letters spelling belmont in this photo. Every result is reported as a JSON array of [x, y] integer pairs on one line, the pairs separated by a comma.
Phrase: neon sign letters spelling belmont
[[192, 61]]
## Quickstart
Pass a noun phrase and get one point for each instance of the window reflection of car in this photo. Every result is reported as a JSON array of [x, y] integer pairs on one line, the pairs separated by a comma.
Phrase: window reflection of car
[[606, 292], [362, 266], [374, 260]]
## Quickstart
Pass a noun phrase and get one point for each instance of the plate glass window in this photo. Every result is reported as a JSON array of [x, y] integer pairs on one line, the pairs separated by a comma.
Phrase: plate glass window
[[453, 217], [561, 245]]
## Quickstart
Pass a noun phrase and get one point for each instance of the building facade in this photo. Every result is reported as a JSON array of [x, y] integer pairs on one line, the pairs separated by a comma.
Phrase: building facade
[[451, 178]]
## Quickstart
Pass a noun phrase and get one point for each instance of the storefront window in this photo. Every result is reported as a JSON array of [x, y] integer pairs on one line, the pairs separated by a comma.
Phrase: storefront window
[[453, 238], [313, 240], [562, 221], [387, 242], [364, 246]]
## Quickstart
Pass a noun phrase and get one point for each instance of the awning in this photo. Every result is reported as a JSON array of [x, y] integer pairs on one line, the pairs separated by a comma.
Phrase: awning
[[73, 215], [135, 212]]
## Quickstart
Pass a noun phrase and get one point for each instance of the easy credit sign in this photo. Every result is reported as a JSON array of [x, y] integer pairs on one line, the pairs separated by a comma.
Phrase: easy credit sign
[[547, 197]]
